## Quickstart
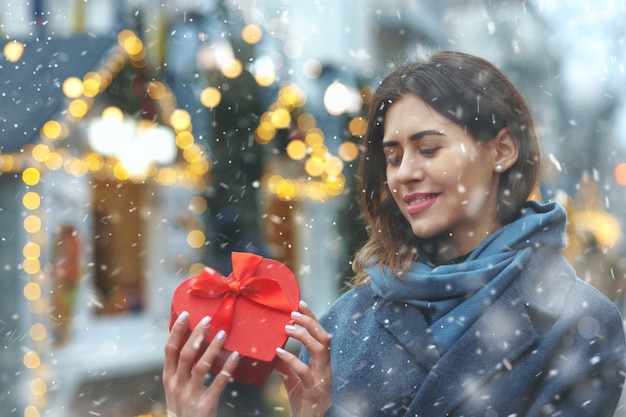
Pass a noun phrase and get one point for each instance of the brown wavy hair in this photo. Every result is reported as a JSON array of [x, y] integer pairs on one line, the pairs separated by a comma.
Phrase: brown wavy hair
[[469, 91]]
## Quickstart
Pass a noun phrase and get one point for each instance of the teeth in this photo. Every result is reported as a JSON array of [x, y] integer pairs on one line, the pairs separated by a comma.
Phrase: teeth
[[420, 200]]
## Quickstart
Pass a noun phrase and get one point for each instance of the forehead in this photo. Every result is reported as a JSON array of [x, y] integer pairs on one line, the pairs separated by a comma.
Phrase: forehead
[[410, 114]]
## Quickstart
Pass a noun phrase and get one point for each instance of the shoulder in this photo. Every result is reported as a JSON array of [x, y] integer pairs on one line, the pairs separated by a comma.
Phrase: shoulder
[[548, 286]]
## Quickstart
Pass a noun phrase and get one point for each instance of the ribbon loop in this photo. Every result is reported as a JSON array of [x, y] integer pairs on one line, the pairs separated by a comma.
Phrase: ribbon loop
[[241, 282]]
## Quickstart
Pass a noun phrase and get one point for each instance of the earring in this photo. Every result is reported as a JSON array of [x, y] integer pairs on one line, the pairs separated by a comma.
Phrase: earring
[[499, 168]]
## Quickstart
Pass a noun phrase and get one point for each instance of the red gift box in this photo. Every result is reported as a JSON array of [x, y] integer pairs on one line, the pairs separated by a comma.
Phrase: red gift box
[[253, 305]]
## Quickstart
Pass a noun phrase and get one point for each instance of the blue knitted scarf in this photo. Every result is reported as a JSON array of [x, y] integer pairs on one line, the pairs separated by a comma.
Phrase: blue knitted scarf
[[455, 295]]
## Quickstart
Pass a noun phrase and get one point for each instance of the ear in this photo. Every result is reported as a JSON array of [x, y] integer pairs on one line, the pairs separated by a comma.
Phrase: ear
[[505, 150]]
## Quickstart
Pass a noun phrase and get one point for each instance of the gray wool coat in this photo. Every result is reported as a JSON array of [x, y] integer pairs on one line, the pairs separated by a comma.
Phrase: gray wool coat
[[550, 345]]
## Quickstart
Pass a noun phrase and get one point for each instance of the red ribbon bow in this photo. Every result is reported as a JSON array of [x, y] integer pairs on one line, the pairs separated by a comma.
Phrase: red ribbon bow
[[241, 282]]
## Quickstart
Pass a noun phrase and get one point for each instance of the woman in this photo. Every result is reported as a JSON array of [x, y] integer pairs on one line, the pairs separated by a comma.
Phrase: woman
[[462, 304]]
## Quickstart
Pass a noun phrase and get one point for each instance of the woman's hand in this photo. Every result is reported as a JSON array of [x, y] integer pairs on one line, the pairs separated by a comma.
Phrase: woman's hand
[[186, 366], [308, 387]]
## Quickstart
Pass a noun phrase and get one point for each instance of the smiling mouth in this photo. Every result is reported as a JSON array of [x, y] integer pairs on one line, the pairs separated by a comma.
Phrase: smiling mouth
[[420, 200], [420, 204]]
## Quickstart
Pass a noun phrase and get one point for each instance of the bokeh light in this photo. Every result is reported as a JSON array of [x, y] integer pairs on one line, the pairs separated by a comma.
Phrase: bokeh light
[[251, 34], [196, 239], [210, 97], [620, 173], [31, 176], [52, 129], [296, 149], [13, 51], [32, 291], [31, 360]]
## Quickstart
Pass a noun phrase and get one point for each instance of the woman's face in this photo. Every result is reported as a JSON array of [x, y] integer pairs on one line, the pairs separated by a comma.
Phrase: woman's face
[[441, 178]]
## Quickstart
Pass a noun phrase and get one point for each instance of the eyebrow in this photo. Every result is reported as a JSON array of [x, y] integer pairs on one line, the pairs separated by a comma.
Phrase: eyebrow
[[415, 136]]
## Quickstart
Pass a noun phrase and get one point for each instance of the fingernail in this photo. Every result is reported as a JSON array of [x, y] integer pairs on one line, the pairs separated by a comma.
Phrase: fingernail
[[303, 304], [280, 351], [221, 335], [182, 317], [234, 356], [296, 314], [290, 328], [205, 321]]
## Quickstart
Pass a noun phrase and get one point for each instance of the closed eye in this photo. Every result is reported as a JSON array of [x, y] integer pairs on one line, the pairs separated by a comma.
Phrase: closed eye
[[430, 151]]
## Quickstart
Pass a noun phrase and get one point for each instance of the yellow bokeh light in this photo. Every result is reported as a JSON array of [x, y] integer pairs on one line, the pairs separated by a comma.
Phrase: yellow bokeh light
[[32, 224], [76, 167], [54, 161], [113, 113], [291, 95], [184, 139], [72, 87], [6, 163], [132, 45], [38, 332], [196, 239], [78, 108], [31, 265], [120, 172], [94, 161], [265, 132], [251, 34], [357, 126], [334, 165], [265, 78], [272, 181], [31, 176], [52, 129], [192, 154], [316, 191], [156, 90], [31, 200], [32, 291], [281, 118], [91, 87], [180, 120], [348, 151], [232, 68], [314, 137], [41, 152], [314, 166], [201, 167], [296, 149], [167, 176], [335, 184], [123, 35], [13, 51], [196, 268], [31, 360], [320, 151], [31, 249], [210, 97], [286, 189], [38, 387], [31, 411]]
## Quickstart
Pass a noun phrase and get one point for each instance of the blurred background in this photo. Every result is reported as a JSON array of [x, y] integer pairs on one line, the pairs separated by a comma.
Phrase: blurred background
[[141, 140]]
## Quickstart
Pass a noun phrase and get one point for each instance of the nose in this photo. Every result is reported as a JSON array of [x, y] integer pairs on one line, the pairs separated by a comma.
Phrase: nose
[[409, 170]]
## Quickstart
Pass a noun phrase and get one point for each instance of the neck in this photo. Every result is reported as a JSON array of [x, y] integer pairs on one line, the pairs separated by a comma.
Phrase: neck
[[446, 248]]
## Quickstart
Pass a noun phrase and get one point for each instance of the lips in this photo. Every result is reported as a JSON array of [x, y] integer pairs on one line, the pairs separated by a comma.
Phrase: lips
[[417, 203]]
